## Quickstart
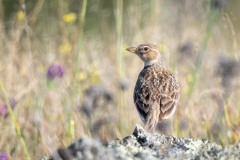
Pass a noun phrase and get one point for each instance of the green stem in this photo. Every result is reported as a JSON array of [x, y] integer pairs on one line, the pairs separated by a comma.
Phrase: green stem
[[212, 18], [81, 27], [118, 21], [118, 18], [26, 27], [15, 122], [226, 114]]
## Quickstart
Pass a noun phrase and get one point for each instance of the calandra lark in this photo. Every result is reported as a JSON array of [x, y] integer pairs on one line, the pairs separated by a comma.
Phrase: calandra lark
[[156, 92]]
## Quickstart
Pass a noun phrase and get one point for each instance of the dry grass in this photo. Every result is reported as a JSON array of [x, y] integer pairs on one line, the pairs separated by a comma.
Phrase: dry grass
[[91, 49]]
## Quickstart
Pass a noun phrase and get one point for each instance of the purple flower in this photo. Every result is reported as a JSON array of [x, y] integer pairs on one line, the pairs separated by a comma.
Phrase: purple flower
[[4, 109], [55, 71], [3, 156]]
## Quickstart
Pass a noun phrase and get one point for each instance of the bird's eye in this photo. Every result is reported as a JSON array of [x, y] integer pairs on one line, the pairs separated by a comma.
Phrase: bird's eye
[[145, 48]]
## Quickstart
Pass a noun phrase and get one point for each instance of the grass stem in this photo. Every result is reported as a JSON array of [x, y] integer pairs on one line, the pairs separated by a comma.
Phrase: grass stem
[[81, 27], [195, 72], [15, 122]]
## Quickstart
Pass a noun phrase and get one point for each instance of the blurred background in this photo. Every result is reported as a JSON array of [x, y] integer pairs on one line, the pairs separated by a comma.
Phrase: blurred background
[[65, 73]]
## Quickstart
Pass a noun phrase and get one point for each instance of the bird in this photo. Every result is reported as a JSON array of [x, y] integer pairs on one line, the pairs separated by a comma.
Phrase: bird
[[156, 91]]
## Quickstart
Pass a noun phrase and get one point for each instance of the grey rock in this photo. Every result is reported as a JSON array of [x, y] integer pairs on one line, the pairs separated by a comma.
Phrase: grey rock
[[143, 145]]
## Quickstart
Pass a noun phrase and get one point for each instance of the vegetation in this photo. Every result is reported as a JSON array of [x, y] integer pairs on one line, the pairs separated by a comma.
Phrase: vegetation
[[65, 74]]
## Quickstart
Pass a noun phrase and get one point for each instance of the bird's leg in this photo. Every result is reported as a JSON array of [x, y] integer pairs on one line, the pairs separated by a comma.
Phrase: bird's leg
[[152, 117]]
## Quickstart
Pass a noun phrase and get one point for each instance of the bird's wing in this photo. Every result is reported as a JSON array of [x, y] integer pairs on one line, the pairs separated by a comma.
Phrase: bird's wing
[[156, 87], [141, 97], [167, 102], [169, 95]]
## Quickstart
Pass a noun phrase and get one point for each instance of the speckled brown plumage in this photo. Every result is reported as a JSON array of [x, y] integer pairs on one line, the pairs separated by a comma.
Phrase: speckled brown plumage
[[156, 92]]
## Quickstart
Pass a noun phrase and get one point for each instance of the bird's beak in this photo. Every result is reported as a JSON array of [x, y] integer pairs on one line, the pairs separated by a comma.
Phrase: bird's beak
[[132, 49]]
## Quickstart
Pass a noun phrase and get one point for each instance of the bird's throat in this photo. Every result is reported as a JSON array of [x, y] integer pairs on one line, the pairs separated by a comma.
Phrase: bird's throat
[[151, 62]]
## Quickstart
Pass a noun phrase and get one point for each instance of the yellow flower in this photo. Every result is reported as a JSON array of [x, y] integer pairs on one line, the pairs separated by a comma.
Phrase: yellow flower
[[95, 76], [95, 73], [235, 137], [70, 17], [20, 15], [65, 48], [81, 75]]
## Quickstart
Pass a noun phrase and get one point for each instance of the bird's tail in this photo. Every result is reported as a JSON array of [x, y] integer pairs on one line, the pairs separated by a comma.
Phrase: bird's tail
[[152, 117]]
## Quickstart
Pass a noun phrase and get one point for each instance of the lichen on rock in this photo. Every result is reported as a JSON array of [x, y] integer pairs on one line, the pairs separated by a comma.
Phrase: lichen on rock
[[143, 145]]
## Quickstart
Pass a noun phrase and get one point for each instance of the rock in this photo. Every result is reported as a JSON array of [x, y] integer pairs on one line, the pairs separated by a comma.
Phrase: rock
[[143, 145]]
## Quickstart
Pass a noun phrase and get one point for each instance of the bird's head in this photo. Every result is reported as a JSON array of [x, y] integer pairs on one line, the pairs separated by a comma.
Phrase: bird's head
[[149, 53]]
